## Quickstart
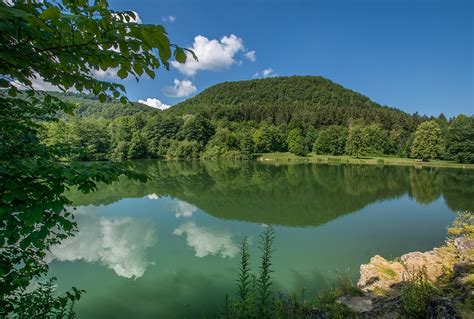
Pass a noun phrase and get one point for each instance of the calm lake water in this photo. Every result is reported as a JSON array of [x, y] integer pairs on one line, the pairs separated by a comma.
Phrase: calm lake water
[[169, 248]]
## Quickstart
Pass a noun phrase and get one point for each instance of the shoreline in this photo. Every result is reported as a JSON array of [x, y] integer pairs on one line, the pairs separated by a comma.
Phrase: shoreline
[[376, 160]]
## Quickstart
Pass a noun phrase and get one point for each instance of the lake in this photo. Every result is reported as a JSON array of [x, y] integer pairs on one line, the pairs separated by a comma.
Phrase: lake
[[169, 248]]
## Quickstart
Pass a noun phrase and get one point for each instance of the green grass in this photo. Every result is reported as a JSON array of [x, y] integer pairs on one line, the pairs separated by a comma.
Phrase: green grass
[[369, 160], [387, 272]]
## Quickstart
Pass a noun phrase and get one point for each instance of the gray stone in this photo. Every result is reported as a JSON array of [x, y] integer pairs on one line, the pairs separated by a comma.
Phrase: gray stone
[[442, 308], [357, 303], [465, 248]]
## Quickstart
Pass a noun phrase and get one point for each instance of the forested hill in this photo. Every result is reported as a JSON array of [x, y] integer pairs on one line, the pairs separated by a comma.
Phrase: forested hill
[[90, 106], [313, 100], [238, 120], [308, 100]]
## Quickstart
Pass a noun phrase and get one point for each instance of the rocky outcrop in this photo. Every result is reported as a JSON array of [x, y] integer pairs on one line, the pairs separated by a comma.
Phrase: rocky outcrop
[[381, 275], [381, 279]]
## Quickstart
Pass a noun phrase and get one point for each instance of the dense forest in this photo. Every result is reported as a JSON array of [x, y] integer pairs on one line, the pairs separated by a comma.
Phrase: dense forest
[[241, 119]]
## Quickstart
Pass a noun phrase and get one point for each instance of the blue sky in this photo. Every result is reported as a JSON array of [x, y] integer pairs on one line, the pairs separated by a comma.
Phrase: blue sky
[[415, 55]]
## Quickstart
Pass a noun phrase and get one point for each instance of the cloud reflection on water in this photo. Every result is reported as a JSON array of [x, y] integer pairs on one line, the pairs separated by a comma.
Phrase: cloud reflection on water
[[118, 243], [183, 209], [206, 241]]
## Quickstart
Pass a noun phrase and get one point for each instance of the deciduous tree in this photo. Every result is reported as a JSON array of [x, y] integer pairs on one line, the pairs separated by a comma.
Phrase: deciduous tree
[[62, 43], [356, 142], [428, 142], [460, 139]]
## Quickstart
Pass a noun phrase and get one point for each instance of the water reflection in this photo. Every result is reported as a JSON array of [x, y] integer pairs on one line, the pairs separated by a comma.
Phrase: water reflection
[[153, 196], [293, 195], [207, 241], [203, 209], [183, 209], [118, 243]]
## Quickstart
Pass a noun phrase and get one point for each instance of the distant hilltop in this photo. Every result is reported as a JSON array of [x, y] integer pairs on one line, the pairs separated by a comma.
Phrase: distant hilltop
[[313, 100]]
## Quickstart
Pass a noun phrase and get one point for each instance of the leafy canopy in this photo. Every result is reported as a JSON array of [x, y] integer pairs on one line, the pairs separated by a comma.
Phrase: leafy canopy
[[63, 43], [460, 139], [428, 142]]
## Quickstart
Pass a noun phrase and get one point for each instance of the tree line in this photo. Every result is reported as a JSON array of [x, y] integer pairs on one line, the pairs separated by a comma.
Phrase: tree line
[[190, 136]]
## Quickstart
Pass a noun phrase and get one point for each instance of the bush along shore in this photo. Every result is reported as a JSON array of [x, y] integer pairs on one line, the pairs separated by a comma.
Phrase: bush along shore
[[433, 284]]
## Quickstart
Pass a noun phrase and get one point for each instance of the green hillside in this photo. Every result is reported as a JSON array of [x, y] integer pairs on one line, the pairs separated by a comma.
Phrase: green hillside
[[90, 106], [313, 100]]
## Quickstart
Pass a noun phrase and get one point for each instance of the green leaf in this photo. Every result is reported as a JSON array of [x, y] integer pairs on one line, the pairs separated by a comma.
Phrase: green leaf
[[122, 73], [150, 73], [6, 13], [102, 97], [180, 55], [96, 90], [193, 54], [137, 67], [50, 13], [4, 83], [12, 91]]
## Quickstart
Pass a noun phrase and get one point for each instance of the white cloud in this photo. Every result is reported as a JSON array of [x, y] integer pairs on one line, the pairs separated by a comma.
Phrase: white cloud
[[152, 196], [181, 88], [108, 74], [265, 73], [155, 103], [168, 18], [205, 241], [213, 54], [136, 19], [119, 244], [251, 56], [39, 84]]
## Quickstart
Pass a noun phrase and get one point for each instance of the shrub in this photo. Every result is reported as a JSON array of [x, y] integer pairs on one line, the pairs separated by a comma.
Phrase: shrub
[[43, 302], [416, 294], [255, 297], [331, 140], [295, 143], [463, 225], [183, 150]]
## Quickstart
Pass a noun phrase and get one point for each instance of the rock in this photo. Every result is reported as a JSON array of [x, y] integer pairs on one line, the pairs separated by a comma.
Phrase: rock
[[315, 314], [379, 274], [357, 303], [385, 308], [442, 308], [431, 262], [380, 280], [465, 248]]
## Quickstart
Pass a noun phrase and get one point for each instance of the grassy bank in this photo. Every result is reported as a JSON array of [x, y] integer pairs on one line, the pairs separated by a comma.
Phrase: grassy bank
[[371, 160]]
